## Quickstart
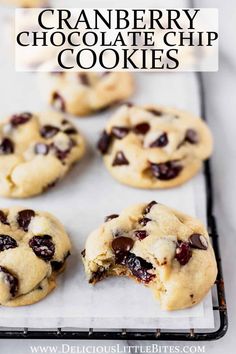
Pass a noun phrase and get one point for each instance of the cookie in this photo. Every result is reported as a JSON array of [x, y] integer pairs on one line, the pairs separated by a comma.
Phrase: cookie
[[157, 246], [34, 247], [88, 92], [154, 146], [36, 151]]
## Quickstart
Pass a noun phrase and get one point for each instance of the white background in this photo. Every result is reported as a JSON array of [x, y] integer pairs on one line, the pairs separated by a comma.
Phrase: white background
[[221, 103]]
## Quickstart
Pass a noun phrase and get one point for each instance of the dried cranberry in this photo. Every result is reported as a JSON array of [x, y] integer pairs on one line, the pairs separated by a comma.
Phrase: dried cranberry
[[110, 217], [70, 131], [83, 78], [11, 280], [24, 217], [3, 218], [119, 132], [144, 221], [167, 170], [137, 265], [140, 234], [58, 101], [141, 128], [18, 119], [7, 242], [104, 142], [161, 141], [183, 252], [198, 241], [191, 136], [6, 147], [41, 149], [43, 247], [149, 207], [120, 159], [122, 244], [155, 112], [49, 131]]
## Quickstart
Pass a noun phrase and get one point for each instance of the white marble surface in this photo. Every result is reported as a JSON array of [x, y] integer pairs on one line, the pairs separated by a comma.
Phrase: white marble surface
[[221, 104]]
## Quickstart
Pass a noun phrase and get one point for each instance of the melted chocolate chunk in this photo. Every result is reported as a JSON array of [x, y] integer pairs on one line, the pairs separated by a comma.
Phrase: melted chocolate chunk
[[120, 159], [57, 265], [191, 136], [58, 101], [3, 218], [137, 265], [18, 119], [161, 141], [166, 171], [119, 132], [155, 112], [104, 142], [7, 242], [198, 241], [41, 149], [6, 147], [141, 128], [149, 207], [49, 131], [183, 252], [84, 79], [110, 217], [140, 234], [11, 280], [122, 244], [43, 247], [144, 221], [98, 275], [70, 131], [24, 217]]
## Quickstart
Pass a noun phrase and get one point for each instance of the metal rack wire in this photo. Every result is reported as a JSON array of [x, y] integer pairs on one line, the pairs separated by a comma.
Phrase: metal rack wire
[[219, 308]]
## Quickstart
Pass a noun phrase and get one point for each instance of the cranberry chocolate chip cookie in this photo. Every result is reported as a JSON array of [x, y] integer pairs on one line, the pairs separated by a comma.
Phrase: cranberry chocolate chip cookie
[[153, 146], [36, 150], [34, 247], [162, 248], [86, 92]]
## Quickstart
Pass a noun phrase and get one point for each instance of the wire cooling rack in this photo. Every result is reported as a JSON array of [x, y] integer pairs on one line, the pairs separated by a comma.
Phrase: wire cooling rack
[[219, 301]]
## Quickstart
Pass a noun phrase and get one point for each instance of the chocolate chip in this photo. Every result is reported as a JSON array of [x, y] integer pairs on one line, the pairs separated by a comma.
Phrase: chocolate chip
[[144, 221], [141, 128], [49, 131], [18, 119], [161, 141], [57, 265], [111, 217], [183, 252], [83, 253], [140, 234], [43, 247], [62, 154], [104, 142], [41, 149], [83, 78], [3, 218], [167, 170], [198, 241], [64, 122], [137, 265], [70, 131], [119, 132], [24, 217], [98, 275], [58, 101], [6, 147], [122, 244], [7, 242], [149, 207], [120, 159], [191, 136], [11, 280], [155, 112], [129, 104]]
